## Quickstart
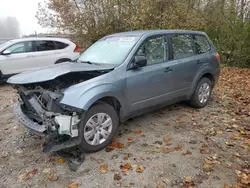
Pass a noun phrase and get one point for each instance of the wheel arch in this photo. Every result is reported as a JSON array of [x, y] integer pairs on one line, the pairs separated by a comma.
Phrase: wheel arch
[[207, 72]]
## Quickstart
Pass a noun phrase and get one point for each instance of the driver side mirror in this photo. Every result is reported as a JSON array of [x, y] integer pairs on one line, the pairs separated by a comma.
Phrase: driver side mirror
[[139, 61], [6, 52]]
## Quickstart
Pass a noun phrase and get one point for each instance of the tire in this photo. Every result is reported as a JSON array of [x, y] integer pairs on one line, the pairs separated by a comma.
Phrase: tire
[[103, 108], [195, 101]]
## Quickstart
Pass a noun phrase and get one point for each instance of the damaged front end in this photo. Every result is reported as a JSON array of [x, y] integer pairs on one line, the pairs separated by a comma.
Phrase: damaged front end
[[40, 95], [40, 110]]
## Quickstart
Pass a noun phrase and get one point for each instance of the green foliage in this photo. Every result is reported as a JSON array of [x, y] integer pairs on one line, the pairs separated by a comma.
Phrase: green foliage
[[225, 21]]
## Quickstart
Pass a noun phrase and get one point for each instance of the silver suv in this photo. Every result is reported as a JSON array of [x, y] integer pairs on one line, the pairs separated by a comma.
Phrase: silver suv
[[121, 75]]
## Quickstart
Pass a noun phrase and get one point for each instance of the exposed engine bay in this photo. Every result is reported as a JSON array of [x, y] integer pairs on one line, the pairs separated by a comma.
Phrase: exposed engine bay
[[40, 102]]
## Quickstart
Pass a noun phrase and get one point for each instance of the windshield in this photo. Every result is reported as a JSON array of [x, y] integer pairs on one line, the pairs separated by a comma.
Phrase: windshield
[[110, 50], [4, 44]]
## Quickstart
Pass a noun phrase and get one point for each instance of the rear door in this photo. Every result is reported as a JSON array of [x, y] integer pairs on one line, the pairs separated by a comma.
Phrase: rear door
[[46, 53], [183, 62], [21, 58]]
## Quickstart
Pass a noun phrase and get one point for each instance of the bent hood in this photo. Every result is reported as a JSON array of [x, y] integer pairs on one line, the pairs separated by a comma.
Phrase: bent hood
[[51, 72]]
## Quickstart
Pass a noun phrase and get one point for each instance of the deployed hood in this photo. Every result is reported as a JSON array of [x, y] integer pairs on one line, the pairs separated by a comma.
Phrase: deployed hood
[[51, 72]]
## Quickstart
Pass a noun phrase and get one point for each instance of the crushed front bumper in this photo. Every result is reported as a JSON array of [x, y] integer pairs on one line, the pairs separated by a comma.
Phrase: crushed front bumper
[[27, 122]]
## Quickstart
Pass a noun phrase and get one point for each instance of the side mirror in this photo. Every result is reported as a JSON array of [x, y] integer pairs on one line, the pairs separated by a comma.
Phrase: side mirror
[[6, 52], [140, 61]]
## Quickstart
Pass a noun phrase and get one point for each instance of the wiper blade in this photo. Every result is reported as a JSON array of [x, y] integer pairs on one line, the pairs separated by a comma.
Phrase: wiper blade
[[89, 62]]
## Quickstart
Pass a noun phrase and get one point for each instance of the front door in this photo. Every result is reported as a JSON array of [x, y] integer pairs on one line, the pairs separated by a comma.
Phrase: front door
[[20, 59], [147, 86]]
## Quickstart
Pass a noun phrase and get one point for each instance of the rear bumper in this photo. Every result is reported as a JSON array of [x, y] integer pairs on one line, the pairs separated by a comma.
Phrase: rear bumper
[[27, 122]]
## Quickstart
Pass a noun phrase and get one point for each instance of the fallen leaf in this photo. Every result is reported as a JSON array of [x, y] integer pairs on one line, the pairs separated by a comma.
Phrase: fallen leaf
[[141, 178], [187, 153], [100, 161], [109, 149], [204, 151], [140, 169], [61, 160], [117, 177], [207, 166], [219, 132], [242, 132], [53, 177], [103, 169], [188, 179], [244, 146], [28, 175], [159, 186], [125, 158], [236, 155], [166, 139], [73, 185], [126, 166], [130, 143], [204, 146], [116, 144], [226, 186], [130, 138], [138, 131], [166, 181]]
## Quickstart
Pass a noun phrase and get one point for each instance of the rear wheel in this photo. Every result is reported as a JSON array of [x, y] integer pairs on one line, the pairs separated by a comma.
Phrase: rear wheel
[[98, 127], [201, 94]]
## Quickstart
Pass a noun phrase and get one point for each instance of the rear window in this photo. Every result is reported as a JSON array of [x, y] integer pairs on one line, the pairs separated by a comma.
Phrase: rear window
[[182, 46], [45, 45], [60, 45], [202, 44]]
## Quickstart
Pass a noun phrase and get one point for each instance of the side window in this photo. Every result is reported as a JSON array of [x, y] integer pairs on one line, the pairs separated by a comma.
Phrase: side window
[[202, 44], [182, 46], [45, 45], [60, 45], [154, 49], [21, 47]]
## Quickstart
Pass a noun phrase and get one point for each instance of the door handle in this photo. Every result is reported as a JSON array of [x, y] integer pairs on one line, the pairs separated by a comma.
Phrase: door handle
[[198, 62], [168, 69]]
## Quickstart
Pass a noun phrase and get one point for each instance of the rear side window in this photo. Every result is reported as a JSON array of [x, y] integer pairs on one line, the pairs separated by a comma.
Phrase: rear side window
[[45, 45], [60, 45], [182, 46], [202, 44]]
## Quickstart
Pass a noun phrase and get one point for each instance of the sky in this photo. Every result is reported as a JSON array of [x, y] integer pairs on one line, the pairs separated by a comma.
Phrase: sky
[[24, 11]]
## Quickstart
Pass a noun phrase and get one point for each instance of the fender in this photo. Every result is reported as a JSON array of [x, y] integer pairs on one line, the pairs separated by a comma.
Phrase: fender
[[203, 70], [85, 99]]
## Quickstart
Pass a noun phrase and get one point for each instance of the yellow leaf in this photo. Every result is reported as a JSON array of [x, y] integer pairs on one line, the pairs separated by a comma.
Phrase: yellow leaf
[[61, 160], [226, 186], [242, 132], [207, 166], [219, 132]]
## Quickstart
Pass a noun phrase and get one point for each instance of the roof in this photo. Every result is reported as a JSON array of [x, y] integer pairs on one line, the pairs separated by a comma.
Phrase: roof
[[140, 33], [40, 38]]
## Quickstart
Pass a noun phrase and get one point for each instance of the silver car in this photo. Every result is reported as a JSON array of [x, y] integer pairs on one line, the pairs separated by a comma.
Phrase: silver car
[[122, 75]]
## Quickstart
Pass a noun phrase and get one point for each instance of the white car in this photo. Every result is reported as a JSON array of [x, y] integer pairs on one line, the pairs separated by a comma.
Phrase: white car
[[25, 54]]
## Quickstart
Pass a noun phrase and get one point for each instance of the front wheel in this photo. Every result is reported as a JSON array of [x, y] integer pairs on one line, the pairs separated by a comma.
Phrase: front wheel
[[98, 127], [201, 94]]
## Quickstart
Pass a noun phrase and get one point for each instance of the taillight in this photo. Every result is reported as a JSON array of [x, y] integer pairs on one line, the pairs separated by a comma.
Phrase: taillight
[[217, 56], [76, 48]]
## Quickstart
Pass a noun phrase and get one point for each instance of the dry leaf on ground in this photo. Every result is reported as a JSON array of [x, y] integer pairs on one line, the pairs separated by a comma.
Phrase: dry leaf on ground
[[138, 131], [166, 181], [140, 169], [117, 177], [28, 175], [103, 169], [53, 177], [73, 185], [188, 179]]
